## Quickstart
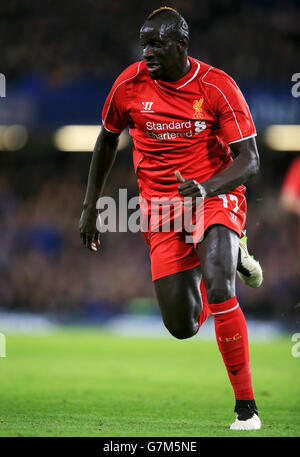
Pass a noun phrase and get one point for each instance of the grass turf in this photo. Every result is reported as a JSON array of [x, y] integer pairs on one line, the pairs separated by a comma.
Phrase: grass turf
[[91, 383]]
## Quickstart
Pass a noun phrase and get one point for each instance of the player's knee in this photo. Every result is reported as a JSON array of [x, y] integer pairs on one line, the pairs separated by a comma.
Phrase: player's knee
[[220, 286], [221, 293], [182, 330]]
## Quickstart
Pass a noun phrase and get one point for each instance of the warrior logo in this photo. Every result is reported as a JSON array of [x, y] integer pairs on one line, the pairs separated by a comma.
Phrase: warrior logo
[[147, 107]]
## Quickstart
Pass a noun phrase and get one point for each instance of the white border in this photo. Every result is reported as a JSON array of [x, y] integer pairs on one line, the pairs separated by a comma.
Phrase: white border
[[228, 310], [111, 131], [244, 138], [191, 79], [210, 84], [125, 80], [187, 82]]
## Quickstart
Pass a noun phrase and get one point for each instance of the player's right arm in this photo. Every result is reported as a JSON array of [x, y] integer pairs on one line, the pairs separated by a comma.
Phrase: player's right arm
[[102, 160], [115, 119]]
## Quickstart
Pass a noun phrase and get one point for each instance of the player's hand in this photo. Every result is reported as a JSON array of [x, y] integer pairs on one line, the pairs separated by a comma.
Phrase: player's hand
[[189, 187], [88, 230]]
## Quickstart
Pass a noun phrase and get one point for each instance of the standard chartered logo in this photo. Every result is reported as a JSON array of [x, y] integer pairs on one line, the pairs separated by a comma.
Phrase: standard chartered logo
[[173, 130], [199, 126], [180, 125]]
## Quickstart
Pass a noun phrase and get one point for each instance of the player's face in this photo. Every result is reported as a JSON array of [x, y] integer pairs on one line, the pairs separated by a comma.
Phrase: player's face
[[161, 52]]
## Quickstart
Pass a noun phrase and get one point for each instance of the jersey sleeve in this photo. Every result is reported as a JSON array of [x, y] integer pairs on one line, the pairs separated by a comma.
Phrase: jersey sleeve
[[291, 183], [115, 116], [229, 106]]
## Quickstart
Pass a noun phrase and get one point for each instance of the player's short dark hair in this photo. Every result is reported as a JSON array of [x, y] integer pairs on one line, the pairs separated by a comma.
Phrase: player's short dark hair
[[176, 23]]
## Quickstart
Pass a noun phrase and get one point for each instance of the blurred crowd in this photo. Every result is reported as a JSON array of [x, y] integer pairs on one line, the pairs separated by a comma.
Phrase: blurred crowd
[[43, 265], [63, 40], [45, 268]]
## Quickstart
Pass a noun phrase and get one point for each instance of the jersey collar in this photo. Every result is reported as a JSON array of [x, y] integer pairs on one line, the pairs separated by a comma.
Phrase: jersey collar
[[177, 85]]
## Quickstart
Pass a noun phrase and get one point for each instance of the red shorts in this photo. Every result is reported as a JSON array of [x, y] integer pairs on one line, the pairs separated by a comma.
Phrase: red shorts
[[173, 250]]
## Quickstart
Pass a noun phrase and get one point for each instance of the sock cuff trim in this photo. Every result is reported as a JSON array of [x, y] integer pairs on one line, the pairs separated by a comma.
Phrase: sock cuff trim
[[227, 311], [226, 306]]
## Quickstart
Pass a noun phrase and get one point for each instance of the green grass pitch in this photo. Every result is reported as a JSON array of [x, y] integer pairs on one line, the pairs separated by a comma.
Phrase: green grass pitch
[[92, 383]]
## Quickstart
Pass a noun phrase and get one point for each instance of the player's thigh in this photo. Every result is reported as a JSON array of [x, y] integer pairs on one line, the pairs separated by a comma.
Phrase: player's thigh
[[218, 255], [179, 299]]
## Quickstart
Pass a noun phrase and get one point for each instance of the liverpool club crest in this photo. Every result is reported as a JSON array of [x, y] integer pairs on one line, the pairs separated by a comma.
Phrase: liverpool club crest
[[197, 105]]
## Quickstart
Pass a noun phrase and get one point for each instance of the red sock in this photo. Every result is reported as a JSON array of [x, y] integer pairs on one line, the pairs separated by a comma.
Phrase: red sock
[[232, 339], [205, 307]]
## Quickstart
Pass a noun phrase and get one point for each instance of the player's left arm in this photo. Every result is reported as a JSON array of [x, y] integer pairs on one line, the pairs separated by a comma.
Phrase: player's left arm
[[244, 166], [236, 129]]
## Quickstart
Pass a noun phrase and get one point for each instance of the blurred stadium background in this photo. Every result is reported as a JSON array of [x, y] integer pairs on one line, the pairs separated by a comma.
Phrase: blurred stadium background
[[59, 60]]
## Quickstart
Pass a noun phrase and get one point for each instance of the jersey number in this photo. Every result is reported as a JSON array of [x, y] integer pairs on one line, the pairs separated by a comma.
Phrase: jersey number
[[232, 198]]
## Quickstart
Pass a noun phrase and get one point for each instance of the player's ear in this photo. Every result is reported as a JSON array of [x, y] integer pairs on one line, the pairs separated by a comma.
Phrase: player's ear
[[183, 43]]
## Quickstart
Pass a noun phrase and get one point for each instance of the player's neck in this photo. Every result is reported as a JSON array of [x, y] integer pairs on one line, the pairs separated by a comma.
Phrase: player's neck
[[180, 72]]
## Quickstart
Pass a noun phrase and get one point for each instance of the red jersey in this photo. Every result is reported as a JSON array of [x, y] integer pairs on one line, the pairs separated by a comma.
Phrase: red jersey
[[184, 125]]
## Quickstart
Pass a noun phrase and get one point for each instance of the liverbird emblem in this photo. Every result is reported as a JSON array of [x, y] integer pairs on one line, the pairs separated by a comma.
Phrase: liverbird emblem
[[197, 105]]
